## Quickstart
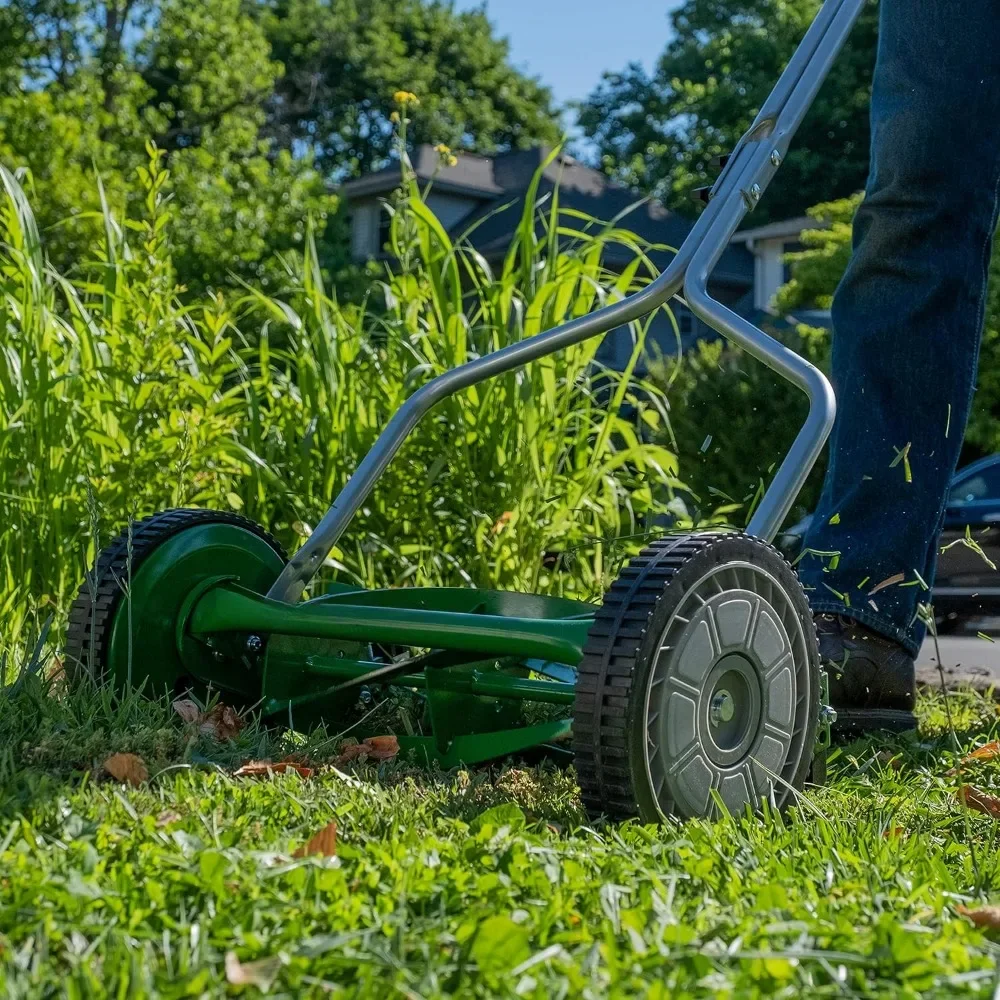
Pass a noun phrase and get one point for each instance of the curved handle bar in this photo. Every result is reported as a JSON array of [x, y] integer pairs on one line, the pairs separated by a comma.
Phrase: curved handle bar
[[738, 189]]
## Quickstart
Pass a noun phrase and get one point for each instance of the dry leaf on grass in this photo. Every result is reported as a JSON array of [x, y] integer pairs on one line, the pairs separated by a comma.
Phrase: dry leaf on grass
[[982, 916], [187, 710], [974, 798], [265, 768], [261, 973], [127, 767], [373, 748], [324, 842], [167, 817], [221, 722], [989, 751]]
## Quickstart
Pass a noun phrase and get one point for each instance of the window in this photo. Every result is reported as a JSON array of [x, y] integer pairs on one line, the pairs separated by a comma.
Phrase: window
[[981, 485], [363, 231]]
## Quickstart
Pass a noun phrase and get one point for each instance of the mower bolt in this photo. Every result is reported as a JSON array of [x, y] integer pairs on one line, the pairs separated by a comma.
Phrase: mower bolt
[[827, 714], [218, 655], [365, 696], [723, 708], [254, 644], [751, 196], [776, 158]]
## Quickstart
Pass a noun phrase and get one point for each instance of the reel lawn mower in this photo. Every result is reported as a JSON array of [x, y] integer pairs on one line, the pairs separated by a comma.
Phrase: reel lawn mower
[[696, 682]]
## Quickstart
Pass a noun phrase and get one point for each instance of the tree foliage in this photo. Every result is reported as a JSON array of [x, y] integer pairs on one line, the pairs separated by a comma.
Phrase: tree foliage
[[259, 104], [659, 131], [344, 59]]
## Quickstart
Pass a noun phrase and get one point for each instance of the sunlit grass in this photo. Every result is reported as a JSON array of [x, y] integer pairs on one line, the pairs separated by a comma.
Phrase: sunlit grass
[[484, 884]]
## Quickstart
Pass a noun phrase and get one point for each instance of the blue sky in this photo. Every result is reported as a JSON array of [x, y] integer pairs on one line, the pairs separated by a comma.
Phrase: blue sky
[[569, 43]]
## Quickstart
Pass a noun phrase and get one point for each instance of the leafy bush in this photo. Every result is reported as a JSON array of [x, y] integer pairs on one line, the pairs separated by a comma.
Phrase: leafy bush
[[732, 422], [117, 398]]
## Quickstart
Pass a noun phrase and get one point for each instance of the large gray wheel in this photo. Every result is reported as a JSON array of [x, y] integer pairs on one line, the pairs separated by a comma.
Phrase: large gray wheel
[[701, 672]]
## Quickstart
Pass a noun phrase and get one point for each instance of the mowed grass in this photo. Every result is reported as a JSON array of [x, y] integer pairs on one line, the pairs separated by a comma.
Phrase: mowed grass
[[490, 883]]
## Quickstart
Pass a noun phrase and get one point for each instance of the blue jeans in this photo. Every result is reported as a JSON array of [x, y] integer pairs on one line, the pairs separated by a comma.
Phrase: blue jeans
[[908, 315]]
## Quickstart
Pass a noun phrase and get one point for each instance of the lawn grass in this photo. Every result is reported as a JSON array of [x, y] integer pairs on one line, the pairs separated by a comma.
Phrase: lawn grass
[[491, 883]]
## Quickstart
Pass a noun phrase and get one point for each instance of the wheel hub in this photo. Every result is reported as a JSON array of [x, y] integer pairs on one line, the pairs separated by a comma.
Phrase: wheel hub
[[733, 698]]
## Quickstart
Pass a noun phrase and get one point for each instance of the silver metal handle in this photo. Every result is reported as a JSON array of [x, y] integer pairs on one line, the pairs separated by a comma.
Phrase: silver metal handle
[[738, 189]]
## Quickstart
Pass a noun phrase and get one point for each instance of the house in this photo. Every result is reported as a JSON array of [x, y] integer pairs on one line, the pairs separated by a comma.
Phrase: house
[[485, 196]]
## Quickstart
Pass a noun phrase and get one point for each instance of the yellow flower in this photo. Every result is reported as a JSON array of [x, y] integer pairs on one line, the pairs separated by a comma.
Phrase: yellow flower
[[394, 118], [404, 97], [447, 158]]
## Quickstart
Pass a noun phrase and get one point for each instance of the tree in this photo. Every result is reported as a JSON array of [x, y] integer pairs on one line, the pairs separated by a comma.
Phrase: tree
[[259, 104], [658, 132], [100, 80], [344, 59]]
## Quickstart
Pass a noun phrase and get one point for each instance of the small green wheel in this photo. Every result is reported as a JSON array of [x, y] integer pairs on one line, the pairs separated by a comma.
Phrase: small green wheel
[[701, 675], [126, 624]]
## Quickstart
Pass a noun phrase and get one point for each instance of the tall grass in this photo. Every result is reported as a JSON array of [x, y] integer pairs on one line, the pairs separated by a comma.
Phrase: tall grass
[[119, 396]]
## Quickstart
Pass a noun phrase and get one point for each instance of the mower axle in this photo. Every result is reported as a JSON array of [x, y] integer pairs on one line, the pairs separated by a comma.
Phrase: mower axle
[[230, 608]]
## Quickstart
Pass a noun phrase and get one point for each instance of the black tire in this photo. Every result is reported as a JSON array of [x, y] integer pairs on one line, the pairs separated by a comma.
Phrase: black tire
[[622, 769], [92, 613]]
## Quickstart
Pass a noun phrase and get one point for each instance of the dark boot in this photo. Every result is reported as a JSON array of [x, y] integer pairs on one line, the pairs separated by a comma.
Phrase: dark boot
[[872, 679]]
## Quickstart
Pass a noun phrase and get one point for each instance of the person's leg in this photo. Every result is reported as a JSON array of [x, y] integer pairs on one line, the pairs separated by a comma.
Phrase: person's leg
[[908, 315]]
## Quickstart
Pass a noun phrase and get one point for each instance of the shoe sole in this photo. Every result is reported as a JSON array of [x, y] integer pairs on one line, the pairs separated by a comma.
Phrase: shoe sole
[[856, 721]]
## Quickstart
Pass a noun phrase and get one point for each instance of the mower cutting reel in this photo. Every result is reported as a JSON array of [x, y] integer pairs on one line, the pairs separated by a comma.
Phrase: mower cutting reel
[[696, 685]]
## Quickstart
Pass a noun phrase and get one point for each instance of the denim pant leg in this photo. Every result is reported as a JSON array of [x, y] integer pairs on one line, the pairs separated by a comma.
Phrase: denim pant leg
[[908, 315]]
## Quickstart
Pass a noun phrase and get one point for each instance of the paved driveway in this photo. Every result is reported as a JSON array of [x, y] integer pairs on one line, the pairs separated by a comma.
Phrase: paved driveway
[[968, 659]]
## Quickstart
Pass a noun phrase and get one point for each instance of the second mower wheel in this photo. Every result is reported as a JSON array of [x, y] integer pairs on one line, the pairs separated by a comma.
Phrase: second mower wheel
[[699, 684], [124, 623]]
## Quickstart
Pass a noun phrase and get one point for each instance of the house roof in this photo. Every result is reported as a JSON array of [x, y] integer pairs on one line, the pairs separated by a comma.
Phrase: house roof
[[500, 184], [470, 175], [776, 230]]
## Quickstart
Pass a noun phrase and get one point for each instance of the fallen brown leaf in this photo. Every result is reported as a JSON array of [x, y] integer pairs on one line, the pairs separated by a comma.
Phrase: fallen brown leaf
[[980, 801], [988, 751], [981, 916], [221, 723], [894, 831], [373, 748], [127, 767], [265, 768], [167, 817], [383, 747], [187, 710], [261, 973], [324, 842]]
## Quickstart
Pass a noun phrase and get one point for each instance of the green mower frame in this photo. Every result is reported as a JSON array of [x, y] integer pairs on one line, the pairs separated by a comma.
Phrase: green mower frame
[[696, 681]]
